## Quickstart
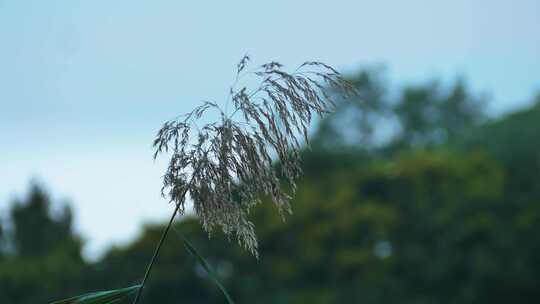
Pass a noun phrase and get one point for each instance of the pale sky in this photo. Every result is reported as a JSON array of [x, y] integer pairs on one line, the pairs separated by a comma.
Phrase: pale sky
[[84, 85]]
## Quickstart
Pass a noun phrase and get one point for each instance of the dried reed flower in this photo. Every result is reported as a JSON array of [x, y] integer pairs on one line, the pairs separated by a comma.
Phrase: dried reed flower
[[227, 165]]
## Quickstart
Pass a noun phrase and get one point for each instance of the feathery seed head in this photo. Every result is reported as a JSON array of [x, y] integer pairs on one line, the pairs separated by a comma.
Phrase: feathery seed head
[[227, 165]]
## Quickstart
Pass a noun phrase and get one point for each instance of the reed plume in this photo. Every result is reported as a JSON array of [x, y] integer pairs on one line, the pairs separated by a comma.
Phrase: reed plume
[[226, 166]]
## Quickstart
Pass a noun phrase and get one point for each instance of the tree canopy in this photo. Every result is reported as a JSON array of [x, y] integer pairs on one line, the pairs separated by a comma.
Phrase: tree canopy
[[445, 211]]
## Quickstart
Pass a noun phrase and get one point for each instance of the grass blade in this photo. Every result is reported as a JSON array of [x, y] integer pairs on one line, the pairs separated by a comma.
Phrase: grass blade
[[100, 297], [211, 273]]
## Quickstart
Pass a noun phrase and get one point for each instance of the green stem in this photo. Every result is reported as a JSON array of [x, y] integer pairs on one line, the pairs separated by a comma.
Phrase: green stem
[[156, 252], [164, 236]]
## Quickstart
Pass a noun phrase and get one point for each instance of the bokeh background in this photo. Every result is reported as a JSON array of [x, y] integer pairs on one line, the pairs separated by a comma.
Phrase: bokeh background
[[423, 189]]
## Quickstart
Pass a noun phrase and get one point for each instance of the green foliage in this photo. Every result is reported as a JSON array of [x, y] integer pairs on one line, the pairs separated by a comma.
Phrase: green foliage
[[101, 297], [43, 255], [37, 232], [202, 261], [425, 227], [450, 219], [430, 116], [420, 116], [355, 119], [515, 141], [3, 242]]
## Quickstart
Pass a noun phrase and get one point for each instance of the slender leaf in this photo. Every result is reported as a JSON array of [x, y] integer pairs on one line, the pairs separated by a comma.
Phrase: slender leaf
[[211, 273], [100, 297]]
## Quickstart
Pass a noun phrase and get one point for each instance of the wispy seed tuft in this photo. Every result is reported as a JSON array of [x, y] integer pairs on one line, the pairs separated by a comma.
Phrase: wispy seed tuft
[[226, 166]]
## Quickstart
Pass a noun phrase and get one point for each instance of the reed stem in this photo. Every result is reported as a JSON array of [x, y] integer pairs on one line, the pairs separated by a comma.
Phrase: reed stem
[[156, 253]]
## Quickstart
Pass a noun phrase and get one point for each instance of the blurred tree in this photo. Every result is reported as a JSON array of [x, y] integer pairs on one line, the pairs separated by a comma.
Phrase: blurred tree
[[417, 114], [45, 260], [460, 111], [515, 141], [422, 116], [455, 223], [420, 227], [354, 121], [3, 242], [429, 116], [424, 228], [36, 232]]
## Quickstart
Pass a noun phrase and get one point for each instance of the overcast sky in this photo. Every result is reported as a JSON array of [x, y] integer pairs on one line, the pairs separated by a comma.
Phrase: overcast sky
[[84, 85]]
